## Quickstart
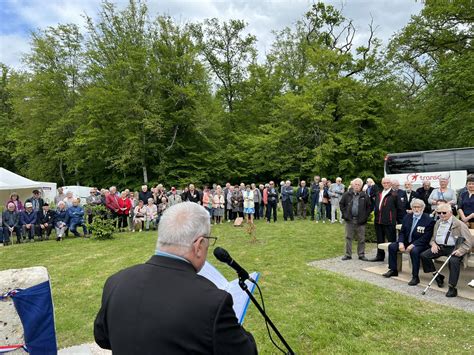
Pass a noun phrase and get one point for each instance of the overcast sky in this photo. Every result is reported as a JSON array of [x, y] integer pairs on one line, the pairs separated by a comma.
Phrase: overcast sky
[[19, 17]]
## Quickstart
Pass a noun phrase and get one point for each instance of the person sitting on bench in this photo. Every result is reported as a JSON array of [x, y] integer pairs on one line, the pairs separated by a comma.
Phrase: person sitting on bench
[[450, 236], [414, 238]]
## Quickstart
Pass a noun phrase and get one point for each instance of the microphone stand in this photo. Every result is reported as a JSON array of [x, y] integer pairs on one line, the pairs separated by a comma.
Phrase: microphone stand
[[245, 288]]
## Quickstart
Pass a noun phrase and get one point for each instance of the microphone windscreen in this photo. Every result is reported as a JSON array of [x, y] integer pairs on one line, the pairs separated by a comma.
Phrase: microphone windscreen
[[222, 255]]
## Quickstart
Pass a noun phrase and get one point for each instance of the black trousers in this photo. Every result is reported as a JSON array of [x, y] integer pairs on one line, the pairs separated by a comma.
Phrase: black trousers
[[384, 232], [257, 210], [272, 206], [414, 256], [454, 263], [314, 203], [122, 221], [48, 229], [287, 209], [7, 234]]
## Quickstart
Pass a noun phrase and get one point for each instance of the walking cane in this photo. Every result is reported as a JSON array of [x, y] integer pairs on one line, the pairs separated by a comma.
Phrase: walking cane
[[436, 275], [459, 241]]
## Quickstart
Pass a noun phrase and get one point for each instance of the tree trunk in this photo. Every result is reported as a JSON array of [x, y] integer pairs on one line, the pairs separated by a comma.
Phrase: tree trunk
[[145, 174], [61, 172]]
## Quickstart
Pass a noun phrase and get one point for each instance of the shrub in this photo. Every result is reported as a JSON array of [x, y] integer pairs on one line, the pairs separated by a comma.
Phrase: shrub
[[102, 227]]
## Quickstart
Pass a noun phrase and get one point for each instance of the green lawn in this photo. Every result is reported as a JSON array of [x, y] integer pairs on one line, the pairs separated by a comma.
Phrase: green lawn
[[317, 311]]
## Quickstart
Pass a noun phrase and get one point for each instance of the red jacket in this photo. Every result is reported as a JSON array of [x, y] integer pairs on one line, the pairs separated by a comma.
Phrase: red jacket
[[111, 202], [124, 204]]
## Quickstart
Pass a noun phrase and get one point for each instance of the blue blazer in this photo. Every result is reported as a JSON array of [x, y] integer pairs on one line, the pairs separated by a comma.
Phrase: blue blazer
[[421, 234]]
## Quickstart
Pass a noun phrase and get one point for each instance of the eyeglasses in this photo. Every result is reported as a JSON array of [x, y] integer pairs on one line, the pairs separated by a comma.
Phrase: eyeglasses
[[442, 212], [212, 240]]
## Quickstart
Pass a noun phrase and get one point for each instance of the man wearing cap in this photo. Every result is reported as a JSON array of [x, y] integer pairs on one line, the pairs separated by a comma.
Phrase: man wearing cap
[[36, 201], [45, 222], [450, 236], [11, 223], [174, 198], [28, 221]]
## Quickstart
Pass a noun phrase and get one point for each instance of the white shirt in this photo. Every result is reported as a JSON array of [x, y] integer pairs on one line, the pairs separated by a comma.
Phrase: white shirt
[[384, 193], [442, 231]]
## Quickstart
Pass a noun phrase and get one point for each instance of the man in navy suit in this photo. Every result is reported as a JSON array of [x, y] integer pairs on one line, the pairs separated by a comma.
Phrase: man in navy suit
[[414, 238], [302, 195]]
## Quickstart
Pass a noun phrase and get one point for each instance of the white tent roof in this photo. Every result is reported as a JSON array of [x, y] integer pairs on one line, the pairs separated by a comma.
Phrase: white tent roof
[[11, 181]]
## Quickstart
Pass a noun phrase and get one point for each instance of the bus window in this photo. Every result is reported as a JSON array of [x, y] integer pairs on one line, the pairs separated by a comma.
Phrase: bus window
[[465, 160], [439, 161], [406, 163]]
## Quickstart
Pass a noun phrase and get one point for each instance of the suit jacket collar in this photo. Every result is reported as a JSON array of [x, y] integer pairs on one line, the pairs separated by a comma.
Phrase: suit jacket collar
[[164, 261]]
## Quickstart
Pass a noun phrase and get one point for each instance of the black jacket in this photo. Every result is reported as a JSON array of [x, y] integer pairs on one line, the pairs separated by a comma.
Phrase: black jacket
[[164, 307], [303, 194], [144, 196], [423, 194], [195, 196], [49, 218], [391, 208], [364, 206]]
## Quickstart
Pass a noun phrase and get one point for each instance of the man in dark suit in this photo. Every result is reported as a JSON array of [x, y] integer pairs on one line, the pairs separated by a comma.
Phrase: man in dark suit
[[163, 306], [402, 200], [302, 195], [410, 196], [45, 222], [414, 238], [314, 190], [386, 209], [424, 193]]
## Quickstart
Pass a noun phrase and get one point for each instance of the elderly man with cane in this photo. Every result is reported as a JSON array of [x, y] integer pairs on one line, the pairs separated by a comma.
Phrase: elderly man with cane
[[452, 238]]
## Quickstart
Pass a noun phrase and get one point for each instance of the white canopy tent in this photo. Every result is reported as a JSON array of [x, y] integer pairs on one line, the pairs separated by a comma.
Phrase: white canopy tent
[[11, 182]]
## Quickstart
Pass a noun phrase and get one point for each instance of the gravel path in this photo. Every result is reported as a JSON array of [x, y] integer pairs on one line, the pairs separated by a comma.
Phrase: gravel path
[[354, 269]]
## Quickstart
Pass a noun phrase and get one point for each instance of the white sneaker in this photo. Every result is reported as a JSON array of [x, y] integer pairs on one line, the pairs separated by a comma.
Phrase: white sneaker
[[471, 284], [317, 221], [324, 221], [133, 230]]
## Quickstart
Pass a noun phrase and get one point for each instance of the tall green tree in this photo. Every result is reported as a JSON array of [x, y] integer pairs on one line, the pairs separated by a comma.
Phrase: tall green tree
[[44, 99], [436, 51], [6, 119], [228, 51]]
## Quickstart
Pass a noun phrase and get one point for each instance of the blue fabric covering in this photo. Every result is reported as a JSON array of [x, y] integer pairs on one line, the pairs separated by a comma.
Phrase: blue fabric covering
[[35, 308]]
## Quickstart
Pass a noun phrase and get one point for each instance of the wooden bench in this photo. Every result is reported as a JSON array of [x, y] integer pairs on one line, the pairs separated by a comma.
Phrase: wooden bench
[[384, 246]]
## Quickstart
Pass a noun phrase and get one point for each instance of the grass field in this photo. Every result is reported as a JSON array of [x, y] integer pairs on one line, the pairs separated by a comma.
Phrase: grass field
[[317, 311]]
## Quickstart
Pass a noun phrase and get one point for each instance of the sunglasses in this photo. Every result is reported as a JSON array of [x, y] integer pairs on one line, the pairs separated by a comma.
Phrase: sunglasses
[[442, 212]]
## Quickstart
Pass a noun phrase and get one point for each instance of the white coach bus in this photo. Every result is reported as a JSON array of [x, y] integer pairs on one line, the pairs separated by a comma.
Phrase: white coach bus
[[429, 165]]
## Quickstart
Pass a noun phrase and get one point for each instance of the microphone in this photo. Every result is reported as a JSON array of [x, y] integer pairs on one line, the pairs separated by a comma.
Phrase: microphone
[[223, 255]]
